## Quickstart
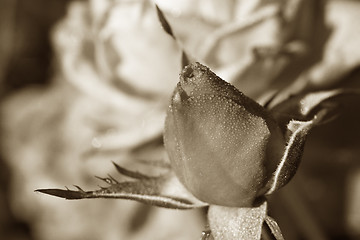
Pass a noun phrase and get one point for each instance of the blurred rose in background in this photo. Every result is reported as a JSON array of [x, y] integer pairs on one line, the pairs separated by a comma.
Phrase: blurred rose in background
[[84, 83]]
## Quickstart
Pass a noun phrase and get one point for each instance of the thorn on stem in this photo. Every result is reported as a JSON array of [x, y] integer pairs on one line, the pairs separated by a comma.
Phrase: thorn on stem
[[79, 188]]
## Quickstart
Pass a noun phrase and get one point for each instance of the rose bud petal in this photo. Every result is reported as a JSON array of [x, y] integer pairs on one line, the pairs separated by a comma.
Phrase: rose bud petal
[[223, 146]]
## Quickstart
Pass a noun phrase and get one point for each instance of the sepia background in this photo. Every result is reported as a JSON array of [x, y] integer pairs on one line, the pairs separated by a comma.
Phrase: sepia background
[[84, 83]]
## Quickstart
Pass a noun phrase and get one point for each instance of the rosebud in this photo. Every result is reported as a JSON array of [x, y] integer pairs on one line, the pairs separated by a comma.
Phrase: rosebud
[[223, 146]]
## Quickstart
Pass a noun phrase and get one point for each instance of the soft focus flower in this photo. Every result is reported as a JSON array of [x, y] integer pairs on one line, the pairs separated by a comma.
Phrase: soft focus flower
[[262, 47], [117, 53], [247, 43]]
